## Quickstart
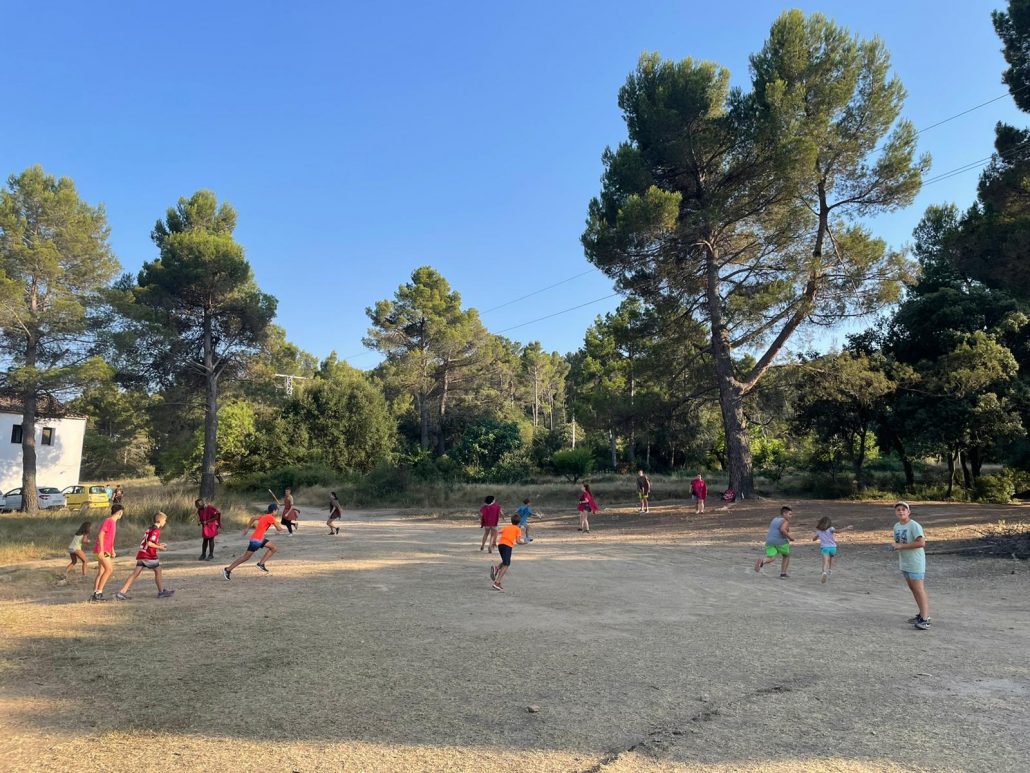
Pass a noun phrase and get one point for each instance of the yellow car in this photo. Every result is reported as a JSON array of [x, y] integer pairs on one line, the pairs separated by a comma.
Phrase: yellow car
[[86, 498]]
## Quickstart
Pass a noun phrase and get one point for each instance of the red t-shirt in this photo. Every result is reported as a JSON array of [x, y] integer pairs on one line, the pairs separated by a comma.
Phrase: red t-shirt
[[699, 488], [105, 537], [490, 515], [146, 553], [210, 520]]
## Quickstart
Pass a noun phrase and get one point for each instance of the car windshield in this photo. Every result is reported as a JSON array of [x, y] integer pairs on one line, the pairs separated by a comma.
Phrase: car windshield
[[97, 490], [49, 490]]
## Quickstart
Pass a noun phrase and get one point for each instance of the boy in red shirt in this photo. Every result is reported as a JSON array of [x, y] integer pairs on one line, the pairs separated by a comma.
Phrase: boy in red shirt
[[508, 538], [260, 524], [146, 558], [103, 549], [210, 524]]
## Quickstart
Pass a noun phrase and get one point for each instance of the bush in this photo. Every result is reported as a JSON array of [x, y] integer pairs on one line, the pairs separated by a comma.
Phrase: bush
[[513, 467], [574, 463], [485, 442], [995, 489], [313, 474]]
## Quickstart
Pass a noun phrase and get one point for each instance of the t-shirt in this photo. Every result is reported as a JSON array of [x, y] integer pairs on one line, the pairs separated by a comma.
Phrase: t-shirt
[[699, 488], [509, 535], [76, 543], [905, 534], [524, 512], [146, 553], [208, 513], [827, 537], [490, 515], [105, 537], [263, 523], [643, 484], [775, 537]]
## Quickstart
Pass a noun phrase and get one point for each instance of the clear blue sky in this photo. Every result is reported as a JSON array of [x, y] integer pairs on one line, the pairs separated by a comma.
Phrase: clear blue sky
[[358, 141]]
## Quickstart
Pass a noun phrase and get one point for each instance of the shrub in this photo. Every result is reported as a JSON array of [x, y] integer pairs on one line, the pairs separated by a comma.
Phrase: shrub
[[313, 474], [513, 467], [573, 463], [485, 441], [995, 489]]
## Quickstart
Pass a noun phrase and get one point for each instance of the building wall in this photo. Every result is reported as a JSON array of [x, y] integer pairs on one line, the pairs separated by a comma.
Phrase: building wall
[[57, 465]]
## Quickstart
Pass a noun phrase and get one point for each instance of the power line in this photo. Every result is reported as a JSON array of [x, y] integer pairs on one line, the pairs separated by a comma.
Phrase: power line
[[976, 164], [537, 292], [557, 313], [970, 110]]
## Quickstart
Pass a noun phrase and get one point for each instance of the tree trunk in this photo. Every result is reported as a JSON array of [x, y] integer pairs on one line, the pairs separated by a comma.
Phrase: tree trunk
[[859, 461], [207, 474], [614, 450], [951, 473], [423, 420], [536, 398], [906, 463], [441, 441], [975, 462], [29, 499], [573, 432], [967, 482]]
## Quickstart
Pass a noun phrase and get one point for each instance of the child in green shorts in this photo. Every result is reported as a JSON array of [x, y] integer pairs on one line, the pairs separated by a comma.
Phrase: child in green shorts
[[777, 542]]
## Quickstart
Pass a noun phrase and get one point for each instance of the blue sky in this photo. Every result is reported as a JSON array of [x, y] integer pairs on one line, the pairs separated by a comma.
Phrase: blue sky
[[361, 140]]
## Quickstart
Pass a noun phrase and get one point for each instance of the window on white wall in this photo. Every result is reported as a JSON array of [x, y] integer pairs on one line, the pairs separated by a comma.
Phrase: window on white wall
[[48, 436], [16, 434]]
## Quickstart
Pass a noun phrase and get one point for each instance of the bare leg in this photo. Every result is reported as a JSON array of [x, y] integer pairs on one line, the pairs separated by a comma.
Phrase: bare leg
[[268, 554], [501, 571], [105, 568], [131, 579], [245, 557], [493, 538], [157, 580], [784, 564], [919, 594], [486, 533]]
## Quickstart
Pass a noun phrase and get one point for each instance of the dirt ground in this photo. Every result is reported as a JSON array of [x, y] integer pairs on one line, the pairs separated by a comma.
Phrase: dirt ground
[[648, 645]]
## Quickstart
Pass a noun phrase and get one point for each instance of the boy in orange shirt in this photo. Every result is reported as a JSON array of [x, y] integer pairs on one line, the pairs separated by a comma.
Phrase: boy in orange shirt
[[260, 524], [506, 540]]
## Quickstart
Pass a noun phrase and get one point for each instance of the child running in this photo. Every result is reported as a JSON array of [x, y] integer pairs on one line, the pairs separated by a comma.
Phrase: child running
[[335, 514], [587, 505], [75, 552], [777, 542], [290, 514], [260, 524], [827, 536], [210, 524], [509, 537], [146, 558], [103, 549], [525, 513], [489, 516], [910, 542], [643, 490]]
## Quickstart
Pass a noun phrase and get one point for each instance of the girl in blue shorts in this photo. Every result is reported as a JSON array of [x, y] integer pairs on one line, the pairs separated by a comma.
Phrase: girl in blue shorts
[[827, 536]]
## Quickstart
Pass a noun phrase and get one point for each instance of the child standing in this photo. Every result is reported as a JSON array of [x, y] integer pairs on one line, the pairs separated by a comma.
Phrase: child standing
[[587, 505], [524, 513], [75, 551], [260, 524], [699, 491], [146, 558], [510, 536], [103, 549], [489, 516], [777, 542], [827, 536], [335, 514], [643, 490], [210, 524], [910, 542]]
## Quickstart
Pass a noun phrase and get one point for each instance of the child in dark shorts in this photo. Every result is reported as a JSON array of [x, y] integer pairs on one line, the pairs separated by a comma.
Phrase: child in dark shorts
[[506, 541]]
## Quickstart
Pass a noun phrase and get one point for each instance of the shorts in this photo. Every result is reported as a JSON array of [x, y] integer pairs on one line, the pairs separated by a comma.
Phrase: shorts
[[148, 563], [487, 526], [914, 575], [255, 545], [831, 551], [523, 523], [643, 494], [103, 555], [505, 551], [771, 551]]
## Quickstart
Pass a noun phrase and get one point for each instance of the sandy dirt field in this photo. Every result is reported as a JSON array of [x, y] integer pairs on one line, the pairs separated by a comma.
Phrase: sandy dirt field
[[648, 645]]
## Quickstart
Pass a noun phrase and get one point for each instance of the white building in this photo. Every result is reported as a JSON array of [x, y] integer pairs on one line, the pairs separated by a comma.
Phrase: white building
[[58, 446]]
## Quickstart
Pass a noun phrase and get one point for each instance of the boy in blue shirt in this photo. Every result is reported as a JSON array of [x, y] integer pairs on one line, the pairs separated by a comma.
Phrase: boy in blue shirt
[[910, 543], [524, 513]]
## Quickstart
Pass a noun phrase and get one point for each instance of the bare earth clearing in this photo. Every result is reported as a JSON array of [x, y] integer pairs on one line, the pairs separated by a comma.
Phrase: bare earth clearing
[[648, 645]]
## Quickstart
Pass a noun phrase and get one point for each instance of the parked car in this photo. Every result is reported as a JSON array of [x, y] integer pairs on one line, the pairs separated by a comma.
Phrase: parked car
[[48, 497], [86, 498]]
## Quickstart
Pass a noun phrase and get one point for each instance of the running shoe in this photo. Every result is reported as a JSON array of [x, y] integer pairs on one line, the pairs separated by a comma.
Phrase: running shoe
[[495, 586], [916, 619], [263, 568], [823, 578], [226, 574], [121, 596], [165, 593], [922, 625], [784, 576]]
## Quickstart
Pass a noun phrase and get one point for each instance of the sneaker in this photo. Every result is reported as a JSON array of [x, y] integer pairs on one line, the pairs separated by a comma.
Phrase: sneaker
[[226, 574], [495, 586], [784, 576], [121, 596], [914, 620], [580, 529], [165, 593], [263, 568], [211, 557], [922, 625], [530, 539], [202, 558], [98, 597], [823, 578]]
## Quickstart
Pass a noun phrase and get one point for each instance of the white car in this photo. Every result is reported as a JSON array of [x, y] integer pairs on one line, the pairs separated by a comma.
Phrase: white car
[[49, 498]]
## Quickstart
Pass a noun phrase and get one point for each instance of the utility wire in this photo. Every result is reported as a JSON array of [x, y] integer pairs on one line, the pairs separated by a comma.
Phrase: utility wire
[[557, 313], [537, 292], [970, 110]]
